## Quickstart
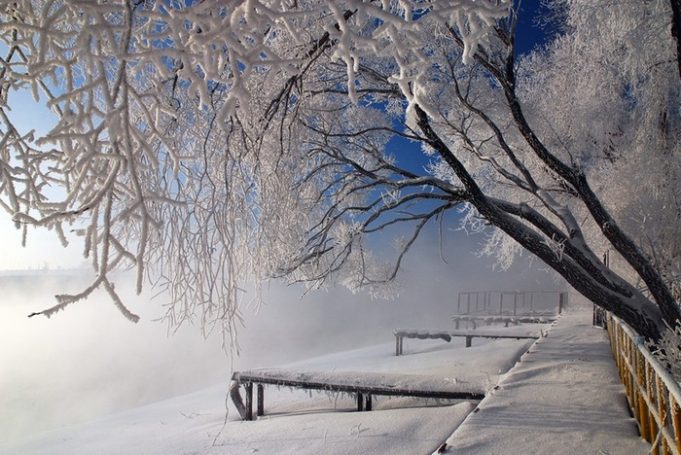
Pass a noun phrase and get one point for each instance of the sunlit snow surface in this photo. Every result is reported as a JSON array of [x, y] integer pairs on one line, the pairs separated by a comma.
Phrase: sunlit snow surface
[[564, 397], [298, 422], [89, 362]]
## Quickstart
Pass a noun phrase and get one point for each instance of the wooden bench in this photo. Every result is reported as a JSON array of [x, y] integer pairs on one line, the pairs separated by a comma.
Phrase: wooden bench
[[401, 334], [363, 385]]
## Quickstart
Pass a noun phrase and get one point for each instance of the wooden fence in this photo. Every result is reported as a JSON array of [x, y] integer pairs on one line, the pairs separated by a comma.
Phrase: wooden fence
[[511, 302], [447, 336], [654, 396], [364, 388]]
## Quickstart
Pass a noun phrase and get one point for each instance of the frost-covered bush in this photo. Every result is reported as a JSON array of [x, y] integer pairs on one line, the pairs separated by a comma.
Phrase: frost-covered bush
[[668, 351]]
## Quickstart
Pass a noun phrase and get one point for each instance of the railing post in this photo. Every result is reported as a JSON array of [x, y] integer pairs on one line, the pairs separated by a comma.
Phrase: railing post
[[661, 409], [676, 420], [249, 400], [261, 400], [560, 302]]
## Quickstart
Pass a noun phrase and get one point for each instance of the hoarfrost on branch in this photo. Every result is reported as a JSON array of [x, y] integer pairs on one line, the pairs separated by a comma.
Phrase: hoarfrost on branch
[[215, 145]]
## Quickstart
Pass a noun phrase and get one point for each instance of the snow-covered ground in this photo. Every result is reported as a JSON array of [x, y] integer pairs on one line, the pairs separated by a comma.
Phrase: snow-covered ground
[[89, 362], [563, 397], [299, 422]]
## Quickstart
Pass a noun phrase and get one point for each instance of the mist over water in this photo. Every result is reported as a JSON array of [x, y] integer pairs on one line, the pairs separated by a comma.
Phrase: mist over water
[[88, 360]]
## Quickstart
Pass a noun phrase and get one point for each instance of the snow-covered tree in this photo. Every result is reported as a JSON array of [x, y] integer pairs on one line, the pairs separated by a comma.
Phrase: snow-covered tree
[[211, 145]]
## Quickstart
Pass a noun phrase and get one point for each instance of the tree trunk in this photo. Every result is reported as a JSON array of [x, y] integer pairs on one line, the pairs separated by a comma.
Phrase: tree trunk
[[676, 30], [643, 315]]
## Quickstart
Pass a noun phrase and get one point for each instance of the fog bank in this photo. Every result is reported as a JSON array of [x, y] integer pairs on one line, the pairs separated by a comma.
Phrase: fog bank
[[89, 360]]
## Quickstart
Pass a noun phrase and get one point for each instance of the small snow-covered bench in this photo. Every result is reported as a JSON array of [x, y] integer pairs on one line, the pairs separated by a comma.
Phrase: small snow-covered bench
[[447, 336], [506, 320], [363, 385]]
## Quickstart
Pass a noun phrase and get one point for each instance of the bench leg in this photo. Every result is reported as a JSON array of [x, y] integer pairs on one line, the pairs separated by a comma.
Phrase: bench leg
[[397, 345], [367, 405], [249, 400], [236, 399], [261, 400], [469, 341], [360, 402]]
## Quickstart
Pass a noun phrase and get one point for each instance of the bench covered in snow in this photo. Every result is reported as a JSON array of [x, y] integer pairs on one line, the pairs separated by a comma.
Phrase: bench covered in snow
[[447, 336], [363, 385], [506, 320]]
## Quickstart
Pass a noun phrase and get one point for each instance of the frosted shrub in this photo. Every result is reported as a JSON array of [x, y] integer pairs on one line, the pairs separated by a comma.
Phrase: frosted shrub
[[668, 351]]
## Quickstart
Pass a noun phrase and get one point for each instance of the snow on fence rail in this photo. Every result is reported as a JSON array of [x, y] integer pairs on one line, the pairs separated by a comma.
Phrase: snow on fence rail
[[510, 302], [447, 336], [506, 320], [654, 396], [363, 385]]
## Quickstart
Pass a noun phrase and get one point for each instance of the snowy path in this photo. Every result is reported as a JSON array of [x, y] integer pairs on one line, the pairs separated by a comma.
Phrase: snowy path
[[564, 397]]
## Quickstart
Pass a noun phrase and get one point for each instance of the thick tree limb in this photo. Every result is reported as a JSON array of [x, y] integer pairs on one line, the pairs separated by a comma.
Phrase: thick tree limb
[[676, 30]]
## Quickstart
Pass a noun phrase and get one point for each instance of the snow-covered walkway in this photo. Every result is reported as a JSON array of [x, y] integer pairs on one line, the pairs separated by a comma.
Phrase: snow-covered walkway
[[564, 397]]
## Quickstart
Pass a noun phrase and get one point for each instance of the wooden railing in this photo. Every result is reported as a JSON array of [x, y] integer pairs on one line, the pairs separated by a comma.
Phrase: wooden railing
[[506, 320], [363, 385], [447, 336], [654, 396], [508, 302]]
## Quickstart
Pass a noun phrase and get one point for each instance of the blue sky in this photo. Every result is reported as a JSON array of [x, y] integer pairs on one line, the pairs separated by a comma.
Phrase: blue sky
[[530, 33], [43, 248]]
